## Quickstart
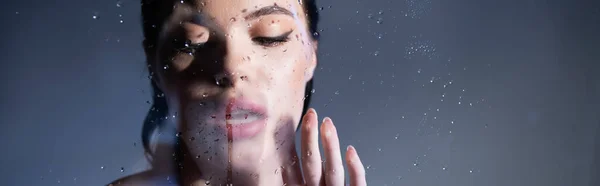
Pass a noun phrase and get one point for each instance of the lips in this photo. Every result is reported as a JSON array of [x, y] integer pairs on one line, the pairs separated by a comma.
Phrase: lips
[[242, 116], [244, 119]]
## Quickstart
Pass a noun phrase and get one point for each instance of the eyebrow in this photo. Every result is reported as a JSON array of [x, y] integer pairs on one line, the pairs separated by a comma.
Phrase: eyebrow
[[269, 10]]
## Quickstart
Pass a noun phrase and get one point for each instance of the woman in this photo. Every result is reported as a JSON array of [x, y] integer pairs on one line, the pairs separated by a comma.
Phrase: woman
[[227, 78]]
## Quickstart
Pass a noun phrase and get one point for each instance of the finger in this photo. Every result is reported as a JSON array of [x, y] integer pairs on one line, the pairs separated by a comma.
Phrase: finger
[[311, 157], [334, 168], [355, 168]]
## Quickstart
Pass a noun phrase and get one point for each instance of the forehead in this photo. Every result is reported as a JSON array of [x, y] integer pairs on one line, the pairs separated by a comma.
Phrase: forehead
[[223, 11]]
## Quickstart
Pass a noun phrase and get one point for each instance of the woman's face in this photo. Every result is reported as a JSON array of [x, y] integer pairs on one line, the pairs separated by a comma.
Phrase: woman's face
[[234, 72]]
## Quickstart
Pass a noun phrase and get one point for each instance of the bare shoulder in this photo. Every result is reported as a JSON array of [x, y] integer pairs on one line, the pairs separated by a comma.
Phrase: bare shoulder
[[142, 178]]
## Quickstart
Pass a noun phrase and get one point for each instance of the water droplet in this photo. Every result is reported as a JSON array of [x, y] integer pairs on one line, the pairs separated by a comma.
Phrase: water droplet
[[119, 3], [122, 169], [121, 21], [312, 91], [308, 153], [207, 182], [376, 53], [470, 171], [101, 167], [337, 92], [368, 166], [379, 21], [94, 17], [419, 71], [443, 168]]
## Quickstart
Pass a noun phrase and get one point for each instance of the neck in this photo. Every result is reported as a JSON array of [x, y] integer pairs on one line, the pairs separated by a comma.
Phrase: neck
[[283, 169]]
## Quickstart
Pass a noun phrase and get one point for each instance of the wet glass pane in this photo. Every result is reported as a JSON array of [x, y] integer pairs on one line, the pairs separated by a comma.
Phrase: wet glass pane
[[221, 92]]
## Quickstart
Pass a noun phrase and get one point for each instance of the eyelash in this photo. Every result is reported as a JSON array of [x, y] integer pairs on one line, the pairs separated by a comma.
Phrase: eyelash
[[272, 41], [189, 48]]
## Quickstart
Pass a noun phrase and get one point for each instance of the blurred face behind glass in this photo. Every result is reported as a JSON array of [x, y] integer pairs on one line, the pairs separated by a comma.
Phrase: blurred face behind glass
[[235, 72]]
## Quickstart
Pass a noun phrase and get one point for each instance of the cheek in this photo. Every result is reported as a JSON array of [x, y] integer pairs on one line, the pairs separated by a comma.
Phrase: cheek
[[290, 62], [288, 71], [287, 82]]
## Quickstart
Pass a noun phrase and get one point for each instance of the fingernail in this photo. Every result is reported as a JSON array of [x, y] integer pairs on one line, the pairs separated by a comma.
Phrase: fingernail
[[350, 157], [327, 126]]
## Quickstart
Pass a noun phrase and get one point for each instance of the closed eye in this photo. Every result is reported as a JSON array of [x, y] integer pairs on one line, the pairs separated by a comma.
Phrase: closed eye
[[272, 41], [186, 46]]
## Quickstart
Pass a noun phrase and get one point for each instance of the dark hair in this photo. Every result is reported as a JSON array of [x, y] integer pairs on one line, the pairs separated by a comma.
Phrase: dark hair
[[154, 14]]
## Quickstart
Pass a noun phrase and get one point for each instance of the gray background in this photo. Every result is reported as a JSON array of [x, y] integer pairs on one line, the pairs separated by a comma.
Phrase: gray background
[[516, 82]]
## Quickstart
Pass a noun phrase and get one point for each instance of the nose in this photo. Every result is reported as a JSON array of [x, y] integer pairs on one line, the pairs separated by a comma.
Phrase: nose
[[229, 79], [237, 67]]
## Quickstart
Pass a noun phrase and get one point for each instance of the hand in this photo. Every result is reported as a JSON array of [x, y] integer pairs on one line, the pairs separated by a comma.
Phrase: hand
[[330, 173]]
